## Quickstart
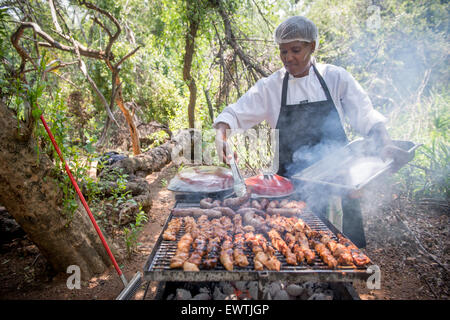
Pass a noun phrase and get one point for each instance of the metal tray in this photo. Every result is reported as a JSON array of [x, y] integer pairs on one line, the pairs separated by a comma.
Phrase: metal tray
[[157, 266], [351, 168]]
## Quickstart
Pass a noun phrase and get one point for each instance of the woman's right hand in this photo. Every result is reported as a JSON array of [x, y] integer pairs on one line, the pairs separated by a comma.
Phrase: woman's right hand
[[221, 141]]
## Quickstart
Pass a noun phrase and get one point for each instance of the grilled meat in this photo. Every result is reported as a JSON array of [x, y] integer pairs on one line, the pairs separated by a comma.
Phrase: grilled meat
[[272, 263], [339, 251], [195, 258], [308, 254], [212, 253], [196, 212], [237, 201], [226, 211], [182, 253], [239, 245], [208, 203], [226, 255], [288, 212], [324, 254], [359, 258], [172, 229], [282, 247]]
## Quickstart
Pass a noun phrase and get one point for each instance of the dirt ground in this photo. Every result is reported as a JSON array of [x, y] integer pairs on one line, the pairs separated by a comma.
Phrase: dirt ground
[[407, 241]]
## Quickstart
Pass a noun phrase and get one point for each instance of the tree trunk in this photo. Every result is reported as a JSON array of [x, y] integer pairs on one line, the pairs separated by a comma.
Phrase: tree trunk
[[30, 191], [129, 119], [188, 55]]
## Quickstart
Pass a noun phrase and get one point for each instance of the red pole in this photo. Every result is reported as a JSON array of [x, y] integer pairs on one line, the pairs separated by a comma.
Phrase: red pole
[[83, 201]]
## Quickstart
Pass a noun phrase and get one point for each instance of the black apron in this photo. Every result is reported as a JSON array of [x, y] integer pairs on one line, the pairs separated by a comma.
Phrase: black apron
[[307, 132]]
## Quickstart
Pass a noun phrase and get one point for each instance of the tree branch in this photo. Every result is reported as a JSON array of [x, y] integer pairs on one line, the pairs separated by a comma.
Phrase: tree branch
[[231, 40]]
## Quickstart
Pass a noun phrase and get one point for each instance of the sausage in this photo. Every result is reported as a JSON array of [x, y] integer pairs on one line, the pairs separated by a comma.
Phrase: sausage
[[210, 213], [236, 202], [207, 203], [256, 205], [184, 212], [243, 211], [246, 205], [250, 218], [196, 212], [226, 211]]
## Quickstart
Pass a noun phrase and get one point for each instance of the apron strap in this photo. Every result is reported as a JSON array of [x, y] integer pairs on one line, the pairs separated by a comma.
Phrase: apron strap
[[284, 90], [322, 83]]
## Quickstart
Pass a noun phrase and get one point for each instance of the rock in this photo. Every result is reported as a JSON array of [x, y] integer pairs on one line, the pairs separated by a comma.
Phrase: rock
[[267, 295], [323, 285], [9, 228], [294, 290], [231, 297], [274, 287], [329, 293], [204, 290], [241, 285], [170, 296], [183, 294], [227, 288], [202, 296], [320, 296], [306, 294], [281, 295], [218, 295], [309, 285], [253, 289]]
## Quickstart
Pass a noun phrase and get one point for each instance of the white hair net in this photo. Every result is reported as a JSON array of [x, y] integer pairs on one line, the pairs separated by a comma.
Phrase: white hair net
[[296, 28]]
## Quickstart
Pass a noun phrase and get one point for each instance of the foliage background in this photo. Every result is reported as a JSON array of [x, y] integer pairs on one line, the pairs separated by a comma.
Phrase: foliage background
[[398, 51]]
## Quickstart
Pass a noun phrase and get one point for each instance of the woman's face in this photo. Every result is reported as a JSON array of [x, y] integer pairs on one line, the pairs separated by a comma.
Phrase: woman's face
[[296, 57]]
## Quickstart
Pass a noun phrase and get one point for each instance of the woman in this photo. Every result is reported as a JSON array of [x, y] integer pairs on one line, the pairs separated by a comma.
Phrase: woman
[[307, 102]]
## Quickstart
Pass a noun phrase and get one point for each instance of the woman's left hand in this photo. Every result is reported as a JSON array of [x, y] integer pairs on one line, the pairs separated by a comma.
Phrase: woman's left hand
[[390, 151]]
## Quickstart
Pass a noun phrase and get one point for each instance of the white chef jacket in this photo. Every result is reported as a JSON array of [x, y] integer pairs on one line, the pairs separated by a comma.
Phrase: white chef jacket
[[263, 100]]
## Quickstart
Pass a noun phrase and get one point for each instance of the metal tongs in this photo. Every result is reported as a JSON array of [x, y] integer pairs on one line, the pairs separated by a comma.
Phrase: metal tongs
[[239, 187]]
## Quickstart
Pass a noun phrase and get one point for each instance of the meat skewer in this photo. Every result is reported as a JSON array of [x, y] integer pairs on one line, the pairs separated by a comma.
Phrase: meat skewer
[[212, 255], [303, 245], [296, 249], [182, 253], [359, 258], [263, 254], [172, 229], [196, 256], [272, 263], [226, 255], [339, 251], [282, 247], [324, 254], [239, 256]]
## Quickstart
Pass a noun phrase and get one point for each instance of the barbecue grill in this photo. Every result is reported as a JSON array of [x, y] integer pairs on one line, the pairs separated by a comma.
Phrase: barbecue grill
[[158, 268]]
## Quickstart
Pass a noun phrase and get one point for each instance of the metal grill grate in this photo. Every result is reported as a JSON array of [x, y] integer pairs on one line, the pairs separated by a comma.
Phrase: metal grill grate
[[158, 264]]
